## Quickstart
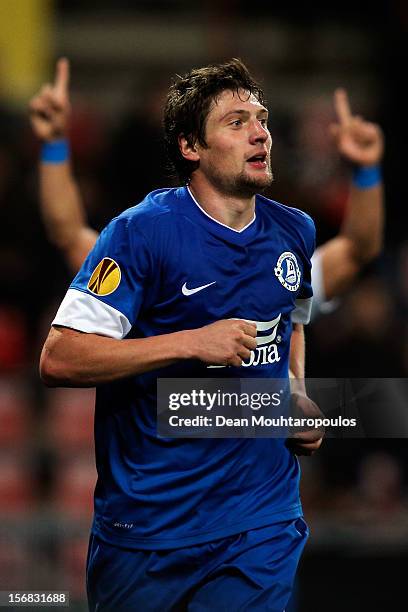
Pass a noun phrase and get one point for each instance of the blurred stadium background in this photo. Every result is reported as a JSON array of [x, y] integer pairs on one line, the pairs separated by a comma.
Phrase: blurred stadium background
[[123, 54]]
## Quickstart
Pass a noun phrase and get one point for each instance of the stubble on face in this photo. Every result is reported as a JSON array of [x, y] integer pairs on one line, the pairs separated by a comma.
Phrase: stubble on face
[[239, 183]]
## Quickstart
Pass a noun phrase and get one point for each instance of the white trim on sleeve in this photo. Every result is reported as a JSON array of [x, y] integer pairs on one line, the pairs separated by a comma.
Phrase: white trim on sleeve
[[320, 304], [86, 313], [301, 313]]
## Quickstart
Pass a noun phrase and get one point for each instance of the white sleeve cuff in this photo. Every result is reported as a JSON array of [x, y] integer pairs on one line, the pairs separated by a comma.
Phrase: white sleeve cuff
[[81, 311], [301, 313], [320, 303]]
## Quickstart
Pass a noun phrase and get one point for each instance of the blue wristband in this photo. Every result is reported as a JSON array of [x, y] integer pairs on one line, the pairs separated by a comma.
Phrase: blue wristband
[[56, 152], [365, 177]]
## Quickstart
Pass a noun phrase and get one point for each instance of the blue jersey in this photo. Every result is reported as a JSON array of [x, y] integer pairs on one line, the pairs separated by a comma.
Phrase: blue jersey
[[165, 266]]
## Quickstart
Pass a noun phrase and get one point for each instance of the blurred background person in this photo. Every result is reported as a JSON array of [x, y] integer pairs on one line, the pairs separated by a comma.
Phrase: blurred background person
[[336, 263]]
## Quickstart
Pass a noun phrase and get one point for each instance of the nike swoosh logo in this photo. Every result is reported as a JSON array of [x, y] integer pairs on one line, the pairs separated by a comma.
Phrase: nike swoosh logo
[[186, 291]]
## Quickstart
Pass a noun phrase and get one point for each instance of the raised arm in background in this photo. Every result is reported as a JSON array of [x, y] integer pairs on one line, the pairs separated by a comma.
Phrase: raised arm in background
[[340, 259], [61, 207], [360, 238]]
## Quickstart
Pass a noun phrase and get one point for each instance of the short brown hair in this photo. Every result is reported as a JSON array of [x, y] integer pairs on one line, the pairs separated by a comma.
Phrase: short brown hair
[[188, 104]]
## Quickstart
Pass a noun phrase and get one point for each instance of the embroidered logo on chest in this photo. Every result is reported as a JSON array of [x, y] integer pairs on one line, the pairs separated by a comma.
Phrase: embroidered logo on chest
[[287, 271]]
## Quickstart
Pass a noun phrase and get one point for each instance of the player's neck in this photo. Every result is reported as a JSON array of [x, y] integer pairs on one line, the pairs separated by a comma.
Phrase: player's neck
[[232, 211]]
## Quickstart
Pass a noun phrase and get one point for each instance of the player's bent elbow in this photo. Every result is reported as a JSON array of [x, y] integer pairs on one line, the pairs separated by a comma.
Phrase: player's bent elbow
[[56, 373], [49, 371]]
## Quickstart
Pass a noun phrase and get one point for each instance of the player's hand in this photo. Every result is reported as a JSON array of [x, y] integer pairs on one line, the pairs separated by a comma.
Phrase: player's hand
[[50, 108], [360, 141], [227, 342], [305, 441]]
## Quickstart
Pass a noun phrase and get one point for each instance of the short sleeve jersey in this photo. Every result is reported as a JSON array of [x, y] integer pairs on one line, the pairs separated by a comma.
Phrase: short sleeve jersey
[[165, 266]]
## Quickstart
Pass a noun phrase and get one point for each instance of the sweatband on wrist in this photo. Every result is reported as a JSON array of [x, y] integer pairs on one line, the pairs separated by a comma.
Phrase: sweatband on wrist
[[365, 177], [55, 152]]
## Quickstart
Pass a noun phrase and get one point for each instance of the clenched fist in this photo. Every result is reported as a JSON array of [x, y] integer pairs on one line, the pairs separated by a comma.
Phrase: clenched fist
[[306, 440], [227, 342]]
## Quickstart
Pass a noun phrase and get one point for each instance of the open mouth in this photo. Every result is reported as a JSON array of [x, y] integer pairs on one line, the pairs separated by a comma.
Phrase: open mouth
[[258, 161]]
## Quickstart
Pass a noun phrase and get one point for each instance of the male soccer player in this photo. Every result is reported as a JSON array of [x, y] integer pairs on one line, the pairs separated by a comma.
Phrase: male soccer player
[[336, 263], [206, 274]]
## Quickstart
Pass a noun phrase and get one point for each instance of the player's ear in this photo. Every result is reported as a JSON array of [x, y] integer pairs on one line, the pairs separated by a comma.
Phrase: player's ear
[[187, 149]]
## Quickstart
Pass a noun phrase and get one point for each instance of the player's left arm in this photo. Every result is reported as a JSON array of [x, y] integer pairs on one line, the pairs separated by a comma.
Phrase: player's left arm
[[297, 358], [361, 235], [307, 442]]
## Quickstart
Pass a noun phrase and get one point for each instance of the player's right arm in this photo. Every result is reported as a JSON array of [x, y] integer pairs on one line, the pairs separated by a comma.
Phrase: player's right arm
[[75, 359], [89, 341], [61, 207]]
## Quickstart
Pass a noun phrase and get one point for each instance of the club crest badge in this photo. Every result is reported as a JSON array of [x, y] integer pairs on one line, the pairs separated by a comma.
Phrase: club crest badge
[[287, 271], [105, 278]]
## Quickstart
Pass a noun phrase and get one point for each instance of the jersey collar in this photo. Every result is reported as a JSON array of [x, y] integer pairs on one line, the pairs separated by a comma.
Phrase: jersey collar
[[195, 212]]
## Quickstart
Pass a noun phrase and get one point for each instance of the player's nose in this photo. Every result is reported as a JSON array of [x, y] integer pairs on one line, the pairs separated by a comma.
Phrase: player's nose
[[259, 133]]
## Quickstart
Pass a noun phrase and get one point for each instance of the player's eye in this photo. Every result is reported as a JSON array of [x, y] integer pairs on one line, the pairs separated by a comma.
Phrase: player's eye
[[236, 122], [264, 122]]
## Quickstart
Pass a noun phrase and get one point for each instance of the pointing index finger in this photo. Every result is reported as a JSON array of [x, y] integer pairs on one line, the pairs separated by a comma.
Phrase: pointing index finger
[[342, 106], [61, 81]]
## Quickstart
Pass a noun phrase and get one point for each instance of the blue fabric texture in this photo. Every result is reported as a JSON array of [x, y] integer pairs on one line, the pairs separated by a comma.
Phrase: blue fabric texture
[[55, 152], [365, 177], [162, 493], [251, 571]]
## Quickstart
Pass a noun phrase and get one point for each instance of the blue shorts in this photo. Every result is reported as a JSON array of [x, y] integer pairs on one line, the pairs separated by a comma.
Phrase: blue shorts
[[251, 571]]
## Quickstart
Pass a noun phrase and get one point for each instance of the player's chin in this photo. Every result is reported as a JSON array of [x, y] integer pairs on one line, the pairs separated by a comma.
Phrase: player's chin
[[259, 179]]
